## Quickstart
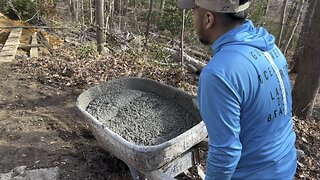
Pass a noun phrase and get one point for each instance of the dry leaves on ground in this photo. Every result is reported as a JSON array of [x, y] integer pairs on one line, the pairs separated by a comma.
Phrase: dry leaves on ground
[[308, 140], [64, 68]]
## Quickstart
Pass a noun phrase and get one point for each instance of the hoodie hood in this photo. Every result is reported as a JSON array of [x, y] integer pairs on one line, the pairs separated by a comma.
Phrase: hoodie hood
[[246, 34]]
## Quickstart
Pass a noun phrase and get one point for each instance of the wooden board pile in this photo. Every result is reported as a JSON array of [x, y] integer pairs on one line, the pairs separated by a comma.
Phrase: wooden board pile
[[20, 39]]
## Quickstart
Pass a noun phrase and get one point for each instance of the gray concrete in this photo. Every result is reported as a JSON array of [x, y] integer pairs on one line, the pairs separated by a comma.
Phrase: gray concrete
[[140, 117]]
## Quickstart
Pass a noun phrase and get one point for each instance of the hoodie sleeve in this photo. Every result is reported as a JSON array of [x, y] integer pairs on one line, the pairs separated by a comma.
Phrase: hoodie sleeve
[[220, 109]]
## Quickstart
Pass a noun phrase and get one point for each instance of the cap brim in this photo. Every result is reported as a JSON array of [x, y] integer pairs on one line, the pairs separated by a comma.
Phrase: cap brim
[[186, 4]]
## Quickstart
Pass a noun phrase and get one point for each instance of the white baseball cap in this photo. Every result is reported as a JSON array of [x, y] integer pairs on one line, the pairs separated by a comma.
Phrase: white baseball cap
[[222, 6]]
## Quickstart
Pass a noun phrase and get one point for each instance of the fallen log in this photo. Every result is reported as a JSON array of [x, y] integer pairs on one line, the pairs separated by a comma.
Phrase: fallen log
[[28, 46], [197, 53], [192, 63], [192, 68], [43, 40], [34, 53], [188, 49]]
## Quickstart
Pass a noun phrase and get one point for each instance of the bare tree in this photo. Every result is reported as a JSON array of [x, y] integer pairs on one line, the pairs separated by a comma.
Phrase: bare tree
[[73, 9], [292, 14], [111, 15], [91, 12], [283, 18], [298, 56], [162, 4], [112, 7], [182, 37], [82, 12], [293, 10], [76, 5], [120, 13], [148, 22], [100, 25], [295, 26], [117, 5], [308, 79]]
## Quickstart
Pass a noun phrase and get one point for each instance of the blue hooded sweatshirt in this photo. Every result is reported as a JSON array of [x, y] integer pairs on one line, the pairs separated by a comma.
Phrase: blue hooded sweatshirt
[[242, 104]]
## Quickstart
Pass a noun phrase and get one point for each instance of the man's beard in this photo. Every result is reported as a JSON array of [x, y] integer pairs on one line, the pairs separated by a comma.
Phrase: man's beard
[[203, 38], [204, 42]]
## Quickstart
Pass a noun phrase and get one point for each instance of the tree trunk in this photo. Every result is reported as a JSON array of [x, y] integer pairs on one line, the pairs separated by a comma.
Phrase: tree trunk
[[116, 5], [162, 8], [148, 23], [91, 13], [293, 11], [298, 56], [182, 37], [291, 18], [107, 15], [267, 8], [112, 8], [283, 19], [82, 12], [189, 61], [120, 13], [100, 25], [77, 9], [73, 9], [125, 5], [110, 14], [295, 26], [308, 79]]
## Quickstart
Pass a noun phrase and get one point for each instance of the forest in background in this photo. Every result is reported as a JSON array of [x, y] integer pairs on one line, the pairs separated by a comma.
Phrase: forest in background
[[164, 19]]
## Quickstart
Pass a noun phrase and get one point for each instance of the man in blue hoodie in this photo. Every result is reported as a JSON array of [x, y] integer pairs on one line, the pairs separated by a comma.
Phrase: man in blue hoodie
[[244, 95]]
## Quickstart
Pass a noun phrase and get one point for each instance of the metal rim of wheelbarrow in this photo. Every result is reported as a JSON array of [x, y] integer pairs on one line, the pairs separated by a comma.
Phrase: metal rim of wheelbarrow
[[170, 149]]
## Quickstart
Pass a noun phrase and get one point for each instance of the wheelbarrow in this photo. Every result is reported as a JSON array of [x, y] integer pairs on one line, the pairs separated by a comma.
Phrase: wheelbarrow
[[161, 161]]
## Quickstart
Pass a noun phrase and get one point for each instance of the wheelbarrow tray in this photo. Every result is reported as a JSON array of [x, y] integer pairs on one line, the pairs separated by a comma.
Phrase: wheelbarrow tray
[[144, 158]]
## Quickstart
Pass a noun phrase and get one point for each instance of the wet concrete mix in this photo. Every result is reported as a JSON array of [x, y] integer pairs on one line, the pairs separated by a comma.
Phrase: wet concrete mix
[[141, 118]]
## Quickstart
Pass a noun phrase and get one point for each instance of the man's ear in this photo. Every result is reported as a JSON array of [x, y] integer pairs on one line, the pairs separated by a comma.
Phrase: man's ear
[[209, 20]]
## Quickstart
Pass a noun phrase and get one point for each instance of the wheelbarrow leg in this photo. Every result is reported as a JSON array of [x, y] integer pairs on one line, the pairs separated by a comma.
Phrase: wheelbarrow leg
[[198, 164], [134, 173]]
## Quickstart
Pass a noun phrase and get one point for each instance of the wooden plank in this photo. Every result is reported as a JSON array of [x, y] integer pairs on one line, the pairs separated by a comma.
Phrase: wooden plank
[[7, 53], [34, 53], [11, 42], [6, 58], [9, 50], [9, 47]]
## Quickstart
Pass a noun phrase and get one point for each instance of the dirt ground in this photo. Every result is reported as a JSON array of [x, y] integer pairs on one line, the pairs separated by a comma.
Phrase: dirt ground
[[40, 127]]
